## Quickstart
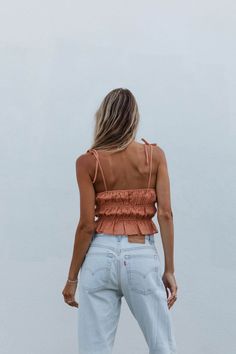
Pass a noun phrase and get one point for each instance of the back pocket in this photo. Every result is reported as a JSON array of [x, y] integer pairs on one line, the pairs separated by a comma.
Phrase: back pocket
[[143, 271], [95, 271]]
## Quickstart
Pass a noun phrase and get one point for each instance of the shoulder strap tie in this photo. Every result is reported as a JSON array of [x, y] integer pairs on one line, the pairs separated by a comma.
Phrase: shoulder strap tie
[[95, 153], [147, 157]]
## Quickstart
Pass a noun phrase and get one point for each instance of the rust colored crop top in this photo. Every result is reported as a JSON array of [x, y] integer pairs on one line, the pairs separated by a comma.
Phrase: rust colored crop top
[[126, 211]]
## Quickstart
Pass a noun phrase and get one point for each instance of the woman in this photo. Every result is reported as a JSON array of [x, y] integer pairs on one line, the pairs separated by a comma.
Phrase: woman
[[120, 182]]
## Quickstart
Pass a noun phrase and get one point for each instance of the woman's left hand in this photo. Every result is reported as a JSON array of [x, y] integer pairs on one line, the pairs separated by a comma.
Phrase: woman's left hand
[[69, 294]]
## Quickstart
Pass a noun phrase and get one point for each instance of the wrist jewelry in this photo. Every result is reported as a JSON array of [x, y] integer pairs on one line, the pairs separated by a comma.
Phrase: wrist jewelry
[[72, 281]]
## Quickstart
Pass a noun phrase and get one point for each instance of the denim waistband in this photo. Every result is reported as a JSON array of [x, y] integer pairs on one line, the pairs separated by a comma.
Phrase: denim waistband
[[119, 237], [120, 243]]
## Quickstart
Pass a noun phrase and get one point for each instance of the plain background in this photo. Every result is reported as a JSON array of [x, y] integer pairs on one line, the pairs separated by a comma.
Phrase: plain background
[[58, 60]]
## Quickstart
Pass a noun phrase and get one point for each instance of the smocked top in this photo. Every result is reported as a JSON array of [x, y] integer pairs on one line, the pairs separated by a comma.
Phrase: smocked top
[[125, 211]]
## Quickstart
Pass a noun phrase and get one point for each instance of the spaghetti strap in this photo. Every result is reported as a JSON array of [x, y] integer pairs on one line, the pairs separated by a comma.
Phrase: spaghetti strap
[[150, 169], [95, 153], [145, 148], [147, 157]]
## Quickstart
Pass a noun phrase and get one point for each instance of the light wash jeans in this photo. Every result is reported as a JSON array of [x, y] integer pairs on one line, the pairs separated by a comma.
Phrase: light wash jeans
[[112, 268]]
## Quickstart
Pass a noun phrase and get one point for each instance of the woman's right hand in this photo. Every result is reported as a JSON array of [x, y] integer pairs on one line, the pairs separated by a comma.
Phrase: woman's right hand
[[169, 281]]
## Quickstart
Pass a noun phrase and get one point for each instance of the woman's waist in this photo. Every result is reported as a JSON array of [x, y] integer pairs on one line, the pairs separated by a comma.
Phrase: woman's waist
[[121, 239]]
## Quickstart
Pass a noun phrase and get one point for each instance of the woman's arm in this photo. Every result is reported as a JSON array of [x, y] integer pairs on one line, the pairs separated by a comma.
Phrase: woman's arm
[[85, 228], [165, 220]]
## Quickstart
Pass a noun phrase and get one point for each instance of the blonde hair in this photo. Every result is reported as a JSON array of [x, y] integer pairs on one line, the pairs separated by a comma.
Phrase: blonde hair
[[117, 120]]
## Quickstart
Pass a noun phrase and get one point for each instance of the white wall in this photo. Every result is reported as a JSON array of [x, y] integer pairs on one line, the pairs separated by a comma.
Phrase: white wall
[[58, 60]]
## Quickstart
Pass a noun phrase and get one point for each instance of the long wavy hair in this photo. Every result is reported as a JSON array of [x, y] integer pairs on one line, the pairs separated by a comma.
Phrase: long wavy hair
[[116, 121]]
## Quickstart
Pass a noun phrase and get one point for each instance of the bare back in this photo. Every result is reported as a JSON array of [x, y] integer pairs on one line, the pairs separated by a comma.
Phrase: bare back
[[126, 169]]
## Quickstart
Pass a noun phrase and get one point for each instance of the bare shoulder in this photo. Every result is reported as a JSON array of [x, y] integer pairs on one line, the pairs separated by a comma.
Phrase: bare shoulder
[[85, 161], [158, 150], [159, 154]]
